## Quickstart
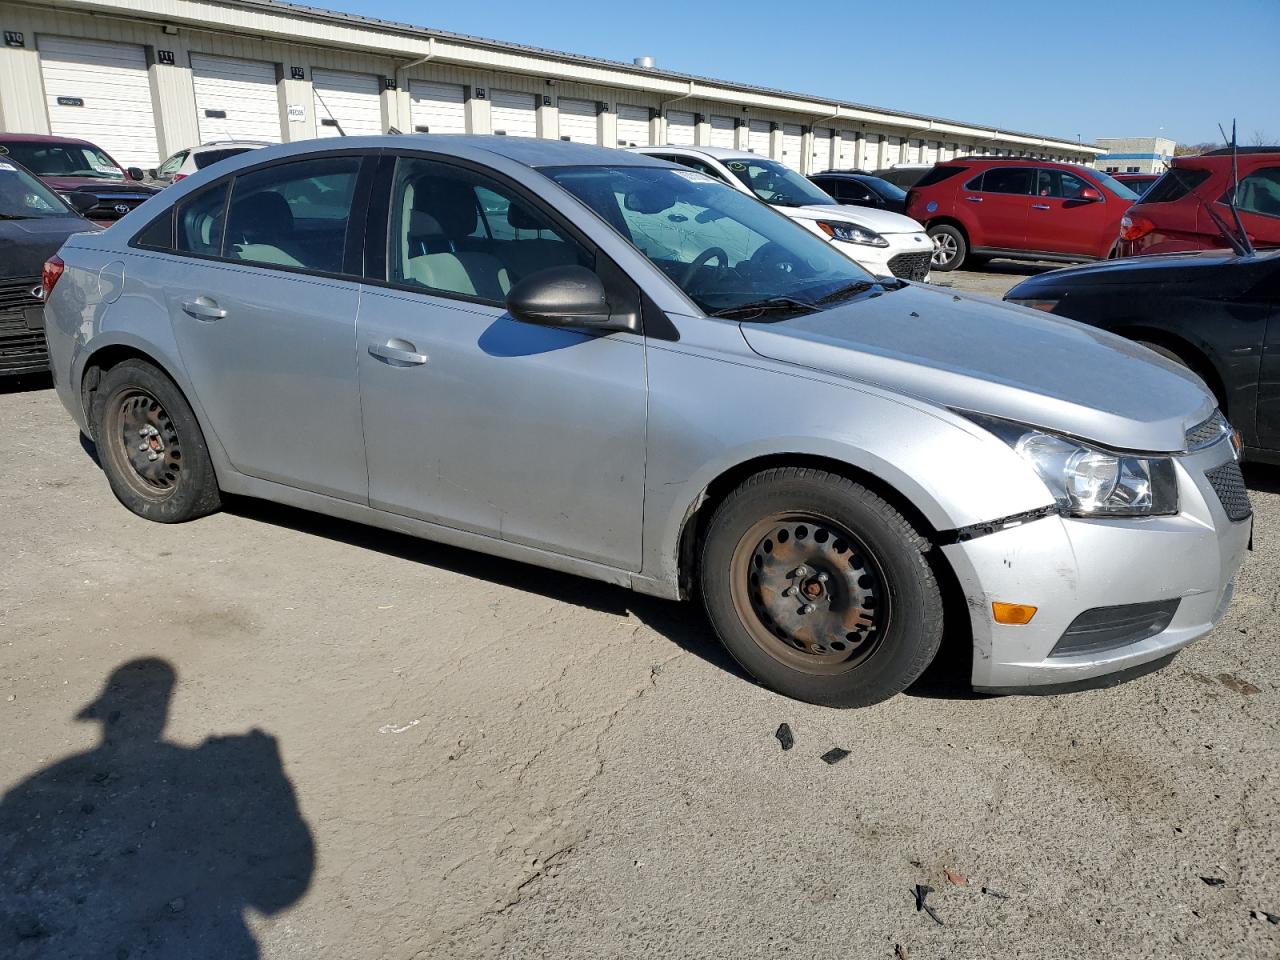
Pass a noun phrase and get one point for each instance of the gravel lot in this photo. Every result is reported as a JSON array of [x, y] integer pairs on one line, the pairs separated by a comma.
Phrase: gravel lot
[[464, 757]]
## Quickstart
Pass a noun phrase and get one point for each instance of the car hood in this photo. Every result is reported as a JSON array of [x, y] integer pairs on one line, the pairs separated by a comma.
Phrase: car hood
[[981, 355], [881, 221], [26, 244], [94, 185]]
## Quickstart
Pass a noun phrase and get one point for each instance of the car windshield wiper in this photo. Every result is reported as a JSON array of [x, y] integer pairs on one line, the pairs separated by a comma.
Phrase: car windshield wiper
[[15, 216], [848, 290], [770, 305]]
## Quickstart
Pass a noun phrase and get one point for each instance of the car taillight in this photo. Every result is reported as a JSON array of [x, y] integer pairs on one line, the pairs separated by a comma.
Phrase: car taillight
[[53, 268], [179, 176], [1134, 226]]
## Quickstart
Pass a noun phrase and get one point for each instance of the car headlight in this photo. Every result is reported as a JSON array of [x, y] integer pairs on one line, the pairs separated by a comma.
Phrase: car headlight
[[851, 233], [1045, 305], [1089, 481]]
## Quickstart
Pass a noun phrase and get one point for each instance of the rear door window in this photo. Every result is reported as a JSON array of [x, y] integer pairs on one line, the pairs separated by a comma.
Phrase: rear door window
[[1013, 180]]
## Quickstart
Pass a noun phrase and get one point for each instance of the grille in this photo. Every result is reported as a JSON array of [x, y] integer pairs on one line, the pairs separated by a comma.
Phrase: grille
[[105, 208], [1106, 628], [1204, 434], [16, 294], [22, 349], [1228, 483], [911, 266]]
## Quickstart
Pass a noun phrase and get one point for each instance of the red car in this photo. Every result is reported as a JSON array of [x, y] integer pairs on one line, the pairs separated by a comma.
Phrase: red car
[[1174, 214], [975, 208], [83, 174], [1139, 183]]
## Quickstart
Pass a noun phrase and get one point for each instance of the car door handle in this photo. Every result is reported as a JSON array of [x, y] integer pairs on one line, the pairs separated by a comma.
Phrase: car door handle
[[1040, 206], [203, 308], [974, 199], [398, 353]]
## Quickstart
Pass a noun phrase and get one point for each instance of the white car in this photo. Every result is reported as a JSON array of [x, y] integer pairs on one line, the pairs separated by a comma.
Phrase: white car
[[882, 242], [186, 162]]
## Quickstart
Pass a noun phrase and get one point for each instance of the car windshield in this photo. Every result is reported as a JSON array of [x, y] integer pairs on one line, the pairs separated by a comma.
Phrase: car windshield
[[1113, 185], [64, 160], [23, 197], [723, 249], [776, 183]]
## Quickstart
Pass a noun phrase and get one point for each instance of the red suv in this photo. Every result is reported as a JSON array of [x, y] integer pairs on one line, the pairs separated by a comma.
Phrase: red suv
[[1173, 215], [980, 207]]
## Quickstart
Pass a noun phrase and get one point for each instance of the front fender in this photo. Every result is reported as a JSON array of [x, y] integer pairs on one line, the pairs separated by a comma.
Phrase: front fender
[[711, 414]]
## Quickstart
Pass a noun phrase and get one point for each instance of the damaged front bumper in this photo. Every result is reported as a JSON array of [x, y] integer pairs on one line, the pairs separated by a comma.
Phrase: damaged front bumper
[[1111, 594]]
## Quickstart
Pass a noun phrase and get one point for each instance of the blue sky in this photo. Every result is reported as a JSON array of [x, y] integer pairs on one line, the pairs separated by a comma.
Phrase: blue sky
[[1060, 69]]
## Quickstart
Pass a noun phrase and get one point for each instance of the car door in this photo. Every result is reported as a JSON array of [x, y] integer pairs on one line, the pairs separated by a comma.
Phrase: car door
[[263, 296], [472, 419], [1061, 221], [999, 206]]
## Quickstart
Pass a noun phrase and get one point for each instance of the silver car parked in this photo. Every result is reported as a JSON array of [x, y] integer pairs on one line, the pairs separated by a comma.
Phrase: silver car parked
[[595, 361]]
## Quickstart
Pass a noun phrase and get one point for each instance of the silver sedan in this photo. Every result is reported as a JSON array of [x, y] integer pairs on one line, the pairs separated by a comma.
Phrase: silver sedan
[[598, 362]]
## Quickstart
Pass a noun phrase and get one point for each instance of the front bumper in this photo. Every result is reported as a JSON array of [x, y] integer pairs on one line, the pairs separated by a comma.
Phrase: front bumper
[[1065, 566], [908, 255]]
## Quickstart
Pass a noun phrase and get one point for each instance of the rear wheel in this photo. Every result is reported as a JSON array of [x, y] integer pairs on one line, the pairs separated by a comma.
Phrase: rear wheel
[[151, 447], [820, 589], [949, 247]]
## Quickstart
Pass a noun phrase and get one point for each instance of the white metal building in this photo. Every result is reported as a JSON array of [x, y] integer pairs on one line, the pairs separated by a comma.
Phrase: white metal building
[[145, 78], [1135, 154]]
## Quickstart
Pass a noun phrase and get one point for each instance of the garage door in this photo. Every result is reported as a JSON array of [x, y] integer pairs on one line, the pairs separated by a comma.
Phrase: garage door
[[848, 156], [722, 132], [347, 104], [437, 107], [893, 151], [578, 121], [821, 159], [680, 128], [514, 114], [235, 99], [758, 137], [100, 93], [792, 153], [869, 158], [633, 126]]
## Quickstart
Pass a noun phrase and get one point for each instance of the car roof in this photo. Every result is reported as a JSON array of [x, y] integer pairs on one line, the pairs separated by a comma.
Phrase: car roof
[[716, 153], [43, 138], [222, 144]]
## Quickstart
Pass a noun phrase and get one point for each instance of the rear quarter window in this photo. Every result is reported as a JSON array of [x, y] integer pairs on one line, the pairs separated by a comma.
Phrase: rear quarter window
[[1175, 184]]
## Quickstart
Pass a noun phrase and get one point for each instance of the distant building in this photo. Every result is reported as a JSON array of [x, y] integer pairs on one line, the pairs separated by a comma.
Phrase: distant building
[[1134, 154]]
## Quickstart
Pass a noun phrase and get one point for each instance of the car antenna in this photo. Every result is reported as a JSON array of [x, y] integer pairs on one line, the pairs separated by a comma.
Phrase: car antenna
[[1235, 183]]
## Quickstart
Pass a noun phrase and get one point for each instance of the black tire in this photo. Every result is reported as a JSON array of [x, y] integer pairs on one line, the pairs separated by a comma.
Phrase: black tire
[[949, 247], [861, 568], [138, 411], [1167, 354]]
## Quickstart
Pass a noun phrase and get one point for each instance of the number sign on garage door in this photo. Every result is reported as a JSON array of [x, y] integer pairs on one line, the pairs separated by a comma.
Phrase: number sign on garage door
[[758, 137], [437, 107], [680, 129], [99, 92], [792, 154], [578, 121], [514, 114], [235, 99], [633, 126], [347, 104], [722, 131]]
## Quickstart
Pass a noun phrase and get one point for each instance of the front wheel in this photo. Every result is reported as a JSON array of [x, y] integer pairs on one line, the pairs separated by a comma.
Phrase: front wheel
[[151, 446], [820, 588], [949, 247]]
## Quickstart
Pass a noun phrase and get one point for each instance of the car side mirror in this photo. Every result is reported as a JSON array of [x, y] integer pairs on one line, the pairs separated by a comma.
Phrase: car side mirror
[[82, 203], [1089, 195], [570, 296], [153, 173], [135, 173]]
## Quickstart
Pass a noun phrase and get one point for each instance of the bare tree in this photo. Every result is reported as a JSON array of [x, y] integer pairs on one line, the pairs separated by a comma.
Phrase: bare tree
[[1261, 139]]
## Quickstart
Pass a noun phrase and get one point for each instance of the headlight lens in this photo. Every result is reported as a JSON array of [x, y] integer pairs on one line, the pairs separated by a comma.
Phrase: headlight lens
[[1088, 481], [1045, 305], [851, 233]]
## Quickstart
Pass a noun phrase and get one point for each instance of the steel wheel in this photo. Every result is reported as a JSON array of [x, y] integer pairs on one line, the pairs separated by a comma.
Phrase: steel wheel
[[945, 249], [147, 443], [810, 593]]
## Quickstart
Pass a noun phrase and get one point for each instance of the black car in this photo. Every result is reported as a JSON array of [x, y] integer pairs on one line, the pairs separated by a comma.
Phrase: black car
[[34, 221], [1212, 311], [859, 189]]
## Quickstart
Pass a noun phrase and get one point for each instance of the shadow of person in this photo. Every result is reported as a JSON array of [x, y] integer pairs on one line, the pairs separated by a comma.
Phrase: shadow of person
[[142, 848]]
